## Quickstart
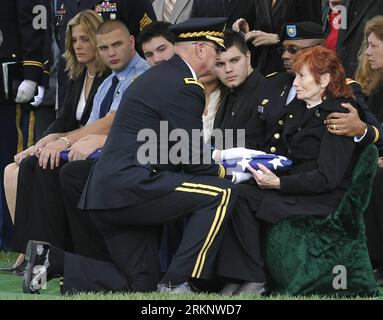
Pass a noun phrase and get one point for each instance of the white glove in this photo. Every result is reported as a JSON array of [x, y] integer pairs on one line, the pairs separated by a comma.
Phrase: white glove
[[239, 177], [39, 97], [25, 91], [235, 153]]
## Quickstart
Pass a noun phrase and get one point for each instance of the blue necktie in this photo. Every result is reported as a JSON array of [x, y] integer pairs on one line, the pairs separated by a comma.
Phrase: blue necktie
[[108, 99]]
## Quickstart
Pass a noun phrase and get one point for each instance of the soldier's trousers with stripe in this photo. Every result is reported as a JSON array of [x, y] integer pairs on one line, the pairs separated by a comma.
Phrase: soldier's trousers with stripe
[[132, 235]]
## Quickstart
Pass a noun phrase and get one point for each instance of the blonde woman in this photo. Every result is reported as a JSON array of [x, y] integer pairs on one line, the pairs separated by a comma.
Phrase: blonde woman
[[86, 72], [370, 67]]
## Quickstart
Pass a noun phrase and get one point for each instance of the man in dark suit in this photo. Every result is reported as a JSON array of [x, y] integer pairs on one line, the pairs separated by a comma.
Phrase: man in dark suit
[[21, 70], [238, 109], [350, 39], [135, 15], [263, 35], [129, 196], [231, 9]]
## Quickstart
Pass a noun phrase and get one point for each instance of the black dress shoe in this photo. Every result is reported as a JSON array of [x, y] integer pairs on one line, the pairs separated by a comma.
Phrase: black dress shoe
[[36, 272], [183, 288]]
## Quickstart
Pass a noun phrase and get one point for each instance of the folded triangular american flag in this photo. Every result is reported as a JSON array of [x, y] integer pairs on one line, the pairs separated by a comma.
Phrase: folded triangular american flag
[[94, 155], [270, 161]]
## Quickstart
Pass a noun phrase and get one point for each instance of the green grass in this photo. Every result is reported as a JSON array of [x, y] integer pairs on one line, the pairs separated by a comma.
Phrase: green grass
[[10, 289]]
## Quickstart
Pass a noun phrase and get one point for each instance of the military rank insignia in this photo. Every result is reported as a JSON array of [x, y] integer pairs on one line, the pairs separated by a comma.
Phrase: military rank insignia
[[291, 30], [195, 82], [261, 108], [284, 91], [107, 7], [145, 21]]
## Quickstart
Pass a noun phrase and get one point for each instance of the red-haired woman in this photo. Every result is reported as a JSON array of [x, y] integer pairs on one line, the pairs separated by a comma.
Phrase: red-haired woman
[[314, 185]]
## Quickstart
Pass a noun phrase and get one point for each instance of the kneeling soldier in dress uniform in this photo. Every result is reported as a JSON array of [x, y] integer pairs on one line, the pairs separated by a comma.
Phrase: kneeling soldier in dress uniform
[[129, 200]]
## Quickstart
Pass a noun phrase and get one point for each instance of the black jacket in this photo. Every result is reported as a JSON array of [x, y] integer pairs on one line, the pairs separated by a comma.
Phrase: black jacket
[[275, 91], [120, 177], [238, 110], [350, 39], [322, 165], [375, 101], [66, 120], [266, 58], [219, 8]]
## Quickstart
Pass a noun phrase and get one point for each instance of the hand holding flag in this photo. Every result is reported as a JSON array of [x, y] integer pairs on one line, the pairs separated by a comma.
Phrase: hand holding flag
[[270, 161]]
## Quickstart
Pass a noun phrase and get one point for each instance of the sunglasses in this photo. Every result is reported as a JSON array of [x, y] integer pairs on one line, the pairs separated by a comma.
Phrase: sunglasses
[[291, 49]]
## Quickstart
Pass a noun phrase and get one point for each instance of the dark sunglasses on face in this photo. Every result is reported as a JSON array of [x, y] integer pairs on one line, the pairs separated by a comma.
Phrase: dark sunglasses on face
[[291, 49]]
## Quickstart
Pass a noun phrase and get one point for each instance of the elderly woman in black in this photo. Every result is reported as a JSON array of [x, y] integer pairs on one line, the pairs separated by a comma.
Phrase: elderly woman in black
[[314, 185]]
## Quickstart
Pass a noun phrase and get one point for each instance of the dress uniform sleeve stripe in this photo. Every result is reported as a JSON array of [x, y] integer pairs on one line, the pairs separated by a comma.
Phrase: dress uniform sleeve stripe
[[377, 135], [33, 62], [217, 223], [203, 186], [210, 193], [221, 171]]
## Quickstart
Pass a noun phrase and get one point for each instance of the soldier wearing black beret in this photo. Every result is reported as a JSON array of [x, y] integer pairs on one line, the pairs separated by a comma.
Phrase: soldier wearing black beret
[[279, 91], [302, 30]]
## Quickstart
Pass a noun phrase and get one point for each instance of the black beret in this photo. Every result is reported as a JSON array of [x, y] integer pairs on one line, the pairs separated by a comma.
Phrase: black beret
[[197, 29], [302, 30]]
